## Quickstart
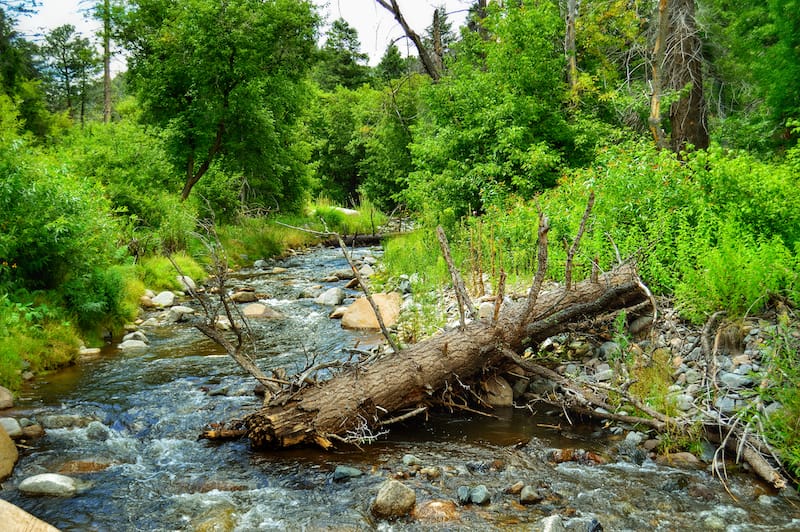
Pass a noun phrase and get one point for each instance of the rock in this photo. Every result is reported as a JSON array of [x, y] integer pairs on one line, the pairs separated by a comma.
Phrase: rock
[[462, 494], [260, 310], [32, 432], [132, 344], [136, 335], [480, 495], [164, 299], [360, 315], [411, 460], [244, 296], [49, 484], [607, 349], [393, 500], [498, 391], [682, 459], [530, 495], [186, 282], [88, 352], [366, 271], [97, 431], [14, 518], [486, 310], [603, 373], [436, 511], [63, 421], [146, 302], [11, 426], [331, 297], [734, 381], [260, 264], [177, 314], [342, 275], [6, 398], [515, 489], [728, 404], [8, 454], [337, 313], [83, 466], [279, 269], [222, 323], [552, 523], [346, 473], [149, 322]]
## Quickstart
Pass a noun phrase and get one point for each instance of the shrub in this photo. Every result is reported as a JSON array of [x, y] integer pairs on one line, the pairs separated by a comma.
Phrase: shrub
[[158, 273]]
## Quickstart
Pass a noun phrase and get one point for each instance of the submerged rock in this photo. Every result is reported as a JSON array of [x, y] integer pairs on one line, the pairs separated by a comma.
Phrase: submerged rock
[[346, 473], [436, 511]]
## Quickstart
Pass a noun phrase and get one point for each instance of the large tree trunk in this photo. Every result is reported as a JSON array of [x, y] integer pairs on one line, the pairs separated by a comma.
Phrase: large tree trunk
[[356, 403], [687, 116]]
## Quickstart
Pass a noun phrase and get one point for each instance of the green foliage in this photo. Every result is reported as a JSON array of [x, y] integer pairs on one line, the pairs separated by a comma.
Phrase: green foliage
[[227, 79], [783, 374], [493, 123], [158, 273], [342, 64]]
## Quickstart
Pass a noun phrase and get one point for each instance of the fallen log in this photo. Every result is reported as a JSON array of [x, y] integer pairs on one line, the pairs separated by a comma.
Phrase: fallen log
[[354, 404]]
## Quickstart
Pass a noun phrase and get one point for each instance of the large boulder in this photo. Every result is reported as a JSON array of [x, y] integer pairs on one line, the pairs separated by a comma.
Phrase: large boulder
[[393, 500], [49, 484], [14, 518], [6, 398], [8, 455], [360, 315]]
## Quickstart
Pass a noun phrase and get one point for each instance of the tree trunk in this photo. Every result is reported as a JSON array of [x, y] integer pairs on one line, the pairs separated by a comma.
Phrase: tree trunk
[[684, 62], [654, 121], [569, 45], [106, 61], [354, 404]]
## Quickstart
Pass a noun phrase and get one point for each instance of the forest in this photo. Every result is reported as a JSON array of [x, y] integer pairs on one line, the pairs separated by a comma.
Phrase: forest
[[679, 118]]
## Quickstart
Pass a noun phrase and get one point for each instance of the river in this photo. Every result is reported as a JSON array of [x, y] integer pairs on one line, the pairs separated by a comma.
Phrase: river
[[151, 472]]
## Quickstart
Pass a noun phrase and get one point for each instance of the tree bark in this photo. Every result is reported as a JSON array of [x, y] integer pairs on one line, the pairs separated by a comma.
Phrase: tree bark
[[355, 403], [687, 116], [654, 121], [106, 61]]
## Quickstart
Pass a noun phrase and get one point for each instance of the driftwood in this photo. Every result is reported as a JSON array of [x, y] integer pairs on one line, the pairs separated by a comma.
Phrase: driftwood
[[353, 404]]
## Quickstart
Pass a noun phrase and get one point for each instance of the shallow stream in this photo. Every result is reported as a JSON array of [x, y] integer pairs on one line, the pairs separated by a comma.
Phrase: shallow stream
[[152, 472]]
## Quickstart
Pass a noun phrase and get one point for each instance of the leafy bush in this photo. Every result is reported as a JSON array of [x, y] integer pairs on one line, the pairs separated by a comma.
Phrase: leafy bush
[[158, 273]]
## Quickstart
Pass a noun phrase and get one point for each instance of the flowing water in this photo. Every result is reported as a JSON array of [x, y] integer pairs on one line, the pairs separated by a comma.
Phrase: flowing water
[[145, 409]]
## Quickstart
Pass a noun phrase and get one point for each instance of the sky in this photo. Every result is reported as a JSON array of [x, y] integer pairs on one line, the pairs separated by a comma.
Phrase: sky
[[376, 27]]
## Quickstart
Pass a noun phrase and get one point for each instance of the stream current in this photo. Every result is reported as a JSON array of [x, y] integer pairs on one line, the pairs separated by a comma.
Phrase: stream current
[[147, 408]]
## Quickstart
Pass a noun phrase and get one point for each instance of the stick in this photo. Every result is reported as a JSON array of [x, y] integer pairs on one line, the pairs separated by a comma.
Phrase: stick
[[458, 283], [574, 247], [541, 267]]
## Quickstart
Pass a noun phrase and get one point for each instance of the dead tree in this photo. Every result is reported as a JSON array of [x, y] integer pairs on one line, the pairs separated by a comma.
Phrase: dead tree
[[428, 62]]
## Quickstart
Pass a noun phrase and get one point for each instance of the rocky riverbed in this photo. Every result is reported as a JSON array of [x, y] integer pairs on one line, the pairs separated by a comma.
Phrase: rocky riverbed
[[121, 433]]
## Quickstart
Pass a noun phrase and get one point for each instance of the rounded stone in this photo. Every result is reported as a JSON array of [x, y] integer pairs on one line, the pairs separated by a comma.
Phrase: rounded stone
[[393, 500], [49, 484]]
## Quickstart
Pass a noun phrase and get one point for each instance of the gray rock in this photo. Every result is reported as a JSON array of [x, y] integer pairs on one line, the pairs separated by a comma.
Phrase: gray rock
[[186, 282], [462, 494], [411, 460], [604, 375], [97, 431], [177, 313], [164, 299], [136, 335], [552, 523], [11, 426], [6, 398], [634, 437], [480, 495], [132, 344], [486, 310], [684, 401], [49, 484], [728, 404], [260, 264], [366, 271], [530, 495], [734, 381], [63, 421], [393, 500], [345, 473], [331, 297], [607, 349], [692, 376], [343, 275]]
